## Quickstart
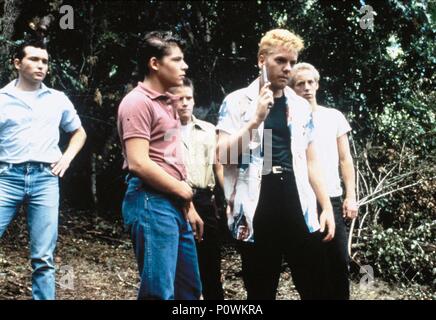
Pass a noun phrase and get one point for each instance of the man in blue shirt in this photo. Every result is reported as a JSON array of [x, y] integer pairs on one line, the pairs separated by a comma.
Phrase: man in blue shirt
[[30, 159]]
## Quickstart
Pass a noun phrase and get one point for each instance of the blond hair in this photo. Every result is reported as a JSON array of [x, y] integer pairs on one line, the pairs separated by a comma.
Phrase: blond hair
[[280, 37], [299, 67]]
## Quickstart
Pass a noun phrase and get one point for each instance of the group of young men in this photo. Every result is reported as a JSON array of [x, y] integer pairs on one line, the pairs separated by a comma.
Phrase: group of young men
[[275, 152]]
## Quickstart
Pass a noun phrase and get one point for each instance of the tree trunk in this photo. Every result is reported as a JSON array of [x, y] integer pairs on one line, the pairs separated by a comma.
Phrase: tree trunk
[[11, 12]]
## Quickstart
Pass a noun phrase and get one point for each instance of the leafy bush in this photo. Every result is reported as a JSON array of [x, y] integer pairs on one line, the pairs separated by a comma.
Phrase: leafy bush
[[401, 255]]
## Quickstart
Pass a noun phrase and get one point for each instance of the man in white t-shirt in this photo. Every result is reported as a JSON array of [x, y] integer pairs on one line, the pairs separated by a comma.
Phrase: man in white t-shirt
[[333, 151]]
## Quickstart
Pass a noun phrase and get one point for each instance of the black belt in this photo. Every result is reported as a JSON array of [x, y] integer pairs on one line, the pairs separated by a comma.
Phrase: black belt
[[280, 170], [205, 191]]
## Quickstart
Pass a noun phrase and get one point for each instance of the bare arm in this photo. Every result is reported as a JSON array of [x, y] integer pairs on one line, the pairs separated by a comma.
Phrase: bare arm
[[239, 141], [348, 174], [219, 174], [140, 164], [196, 222], [316, 180], [77, 140], [217, 166]]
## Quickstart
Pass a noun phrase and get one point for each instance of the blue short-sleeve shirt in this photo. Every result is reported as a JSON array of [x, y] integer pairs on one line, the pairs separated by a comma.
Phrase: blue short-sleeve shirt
[[30, 122]]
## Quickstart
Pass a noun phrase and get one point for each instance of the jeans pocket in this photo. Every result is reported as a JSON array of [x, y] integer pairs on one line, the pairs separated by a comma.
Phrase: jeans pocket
[[134, 203], [47, 170], [3, 169]]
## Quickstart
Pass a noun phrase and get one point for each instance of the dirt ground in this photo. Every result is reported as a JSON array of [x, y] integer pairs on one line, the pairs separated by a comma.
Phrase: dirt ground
[[95, 261]]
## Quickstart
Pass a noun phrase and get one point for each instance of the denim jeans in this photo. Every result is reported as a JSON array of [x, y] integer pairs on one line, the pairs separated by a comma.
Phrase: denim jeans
[[33, 184], [164, 244]]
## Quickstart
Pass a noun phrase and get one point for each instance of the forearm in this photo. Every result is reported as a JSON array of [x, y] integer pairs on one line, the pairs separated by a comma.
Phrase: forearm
[[75, 144], [316, 180], [348, 175], [230, 146], [156, 177], [219, 174]]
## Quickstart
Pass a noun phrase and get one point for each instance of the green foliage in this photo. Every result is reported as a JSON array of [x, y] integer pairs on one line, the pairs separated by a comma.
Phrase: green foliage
[[382, 79], [401, 255]]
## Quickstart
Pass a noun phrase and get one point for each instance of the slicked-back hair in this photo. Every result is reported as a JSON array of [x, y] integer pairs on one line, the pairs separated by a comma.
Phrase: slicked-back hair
[[37, 43], [188, 83], [156, 44]]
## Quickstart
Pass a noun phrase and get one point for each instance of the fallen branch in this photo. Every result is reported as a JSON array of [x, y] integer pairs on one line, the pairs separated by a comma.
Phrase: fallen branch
[[102, 236], [395, 190], [126, 282]]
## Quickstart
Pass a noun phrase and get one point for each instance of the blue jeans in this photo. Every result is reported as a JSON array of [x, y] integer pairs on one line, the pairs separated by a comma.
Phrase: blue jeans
[[34, 185], [164, 245]]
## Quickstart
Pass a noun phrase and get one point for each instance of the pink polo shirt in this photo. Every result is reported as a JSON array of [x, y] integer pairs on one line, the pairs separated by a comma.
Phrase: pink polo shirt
[[145, 113]]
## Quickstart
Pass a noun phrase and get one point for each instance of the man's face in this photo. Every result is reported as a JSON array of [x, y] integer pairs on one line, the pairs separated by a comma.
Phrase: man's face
[[186, 103], [279, 63], [171, 69], [305, 85], [34, 65]]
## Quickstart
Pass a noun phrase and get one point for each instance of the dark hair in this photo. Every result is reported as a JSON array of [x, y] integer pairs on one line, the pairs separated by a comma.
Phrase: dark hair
[[156, 44], [188, 83], [32, 42]]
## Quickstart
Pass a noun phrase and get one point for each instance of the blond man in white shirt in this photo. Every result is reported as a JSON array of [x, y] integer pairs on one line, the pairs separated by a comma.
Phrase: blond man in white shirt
[[333, 151]]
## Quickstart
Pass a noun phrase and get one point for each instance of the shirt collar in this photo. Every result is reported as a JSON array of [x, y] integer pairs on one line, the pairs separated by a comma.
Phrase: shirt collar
[[11, 89], [154, 95], [198, 123], [253, 91]]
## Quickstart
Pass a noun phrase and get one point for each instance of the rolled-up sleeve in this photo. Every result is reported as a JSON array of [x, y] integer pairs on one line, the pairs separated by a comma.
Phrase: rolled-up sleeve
[[229, 119], [70, 119]]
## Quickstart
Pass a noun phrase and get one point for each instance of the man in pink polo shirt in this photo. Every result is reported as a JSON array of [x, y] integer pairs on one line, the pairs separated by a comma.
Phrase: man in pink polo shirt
[[157, 207]]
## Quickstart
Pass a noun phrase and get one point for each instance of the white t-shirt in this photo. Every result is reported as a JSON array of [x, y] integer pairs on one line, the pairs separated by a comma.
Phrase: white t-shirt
[[329, 125], [186, 130], [28, 97]]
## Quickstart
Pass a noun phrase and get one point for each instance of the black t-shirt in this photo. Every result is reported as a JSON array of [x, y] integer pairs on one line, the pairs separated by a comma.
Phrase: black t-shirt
[[281, 137]]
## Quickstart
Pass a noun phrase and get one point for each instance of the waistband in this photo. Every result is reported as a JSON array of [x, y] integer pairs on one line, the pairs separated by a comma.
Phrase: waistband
[[27, 164], [280, 170], [205, 191], [178, 202]]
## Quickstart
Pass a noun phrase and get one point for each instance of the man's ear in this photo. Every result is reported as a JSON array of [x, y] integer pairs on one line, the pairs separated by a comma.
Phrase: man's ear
[[153, 64], [261, 61], [17, 63]]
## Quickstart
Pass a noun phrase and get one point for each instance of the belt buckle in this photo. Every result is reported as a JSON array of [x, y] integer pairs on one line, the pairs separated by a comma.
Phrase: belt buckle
[[277, 169]]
